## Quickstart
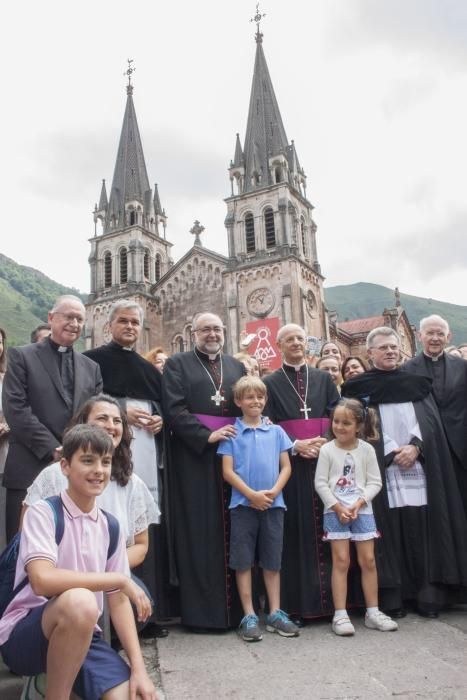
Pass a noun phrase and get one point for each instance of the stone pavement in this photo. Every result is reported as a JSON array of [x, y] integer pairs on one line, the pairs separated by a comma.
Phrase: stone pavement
[[424, 659]]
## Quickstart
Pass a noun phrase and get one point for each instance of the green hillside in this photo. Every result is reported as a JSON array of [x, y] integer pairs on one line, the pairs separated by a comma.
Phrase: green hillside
[[26, 296], [364, 299]]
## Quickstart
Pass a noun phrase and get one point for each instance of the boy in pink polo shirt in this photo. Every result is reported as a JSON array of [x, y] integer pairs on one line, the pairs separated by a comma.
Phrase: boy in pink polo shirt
[[51, 624]]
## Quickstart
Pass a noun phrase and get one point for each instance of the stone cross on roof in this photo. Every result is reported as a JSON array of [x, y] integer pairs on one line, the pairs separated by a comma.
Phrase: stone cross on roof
[[196, 230]]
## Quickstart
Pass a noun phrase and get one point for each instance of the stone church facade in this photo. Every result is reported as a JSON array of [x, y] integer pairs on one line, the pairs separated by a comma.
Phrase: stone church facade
[[271, 275]]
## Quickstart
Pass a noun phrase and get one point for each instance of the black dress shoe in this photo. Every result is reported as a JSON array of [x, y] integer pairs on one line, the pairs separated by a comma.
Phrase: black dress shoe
[[153, 631], [426, 612], [396, 614]]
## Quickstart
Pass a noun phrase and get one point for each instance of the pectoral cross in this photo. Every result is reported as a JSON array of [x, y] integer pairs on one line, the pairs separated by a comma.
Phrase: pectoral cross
[[217, 398], [305, 410]]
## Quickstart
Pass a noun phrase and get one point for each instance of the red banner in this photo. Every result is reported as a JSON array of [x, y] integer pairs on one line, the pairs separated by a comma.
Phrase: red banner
[[263, 346]]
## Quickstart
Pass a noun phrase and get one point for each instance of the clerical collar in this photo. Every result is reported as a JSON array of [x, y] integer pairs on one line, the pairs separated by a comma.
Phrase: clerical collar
[[59, 348], [120, 347], [205, 355], [435, 358], [297, 368]]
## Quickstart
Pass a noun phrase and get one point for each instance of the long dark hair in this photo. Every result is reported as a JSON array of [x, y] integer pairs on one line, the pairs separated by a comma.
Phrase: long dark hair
[[122, 466]]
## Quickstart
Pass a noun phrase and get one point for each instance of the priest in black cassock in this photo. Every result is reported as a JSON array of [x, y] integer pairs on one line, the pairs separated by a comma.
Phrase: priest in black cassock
[[449, 377], [198, 408], [299, 399], [136, 384], [423, 555]]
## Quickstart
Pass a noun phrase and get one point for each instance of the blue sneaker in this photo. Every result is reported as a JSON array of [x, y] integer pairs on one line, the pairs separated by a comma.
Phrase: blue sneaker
[[278, 621], [249, 630]]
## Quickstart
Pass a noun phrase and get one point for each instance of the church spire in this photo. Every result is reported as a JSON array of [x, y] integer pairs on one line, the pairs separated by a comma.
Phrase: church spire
[[130, 182], [267, 157], [103, 202]]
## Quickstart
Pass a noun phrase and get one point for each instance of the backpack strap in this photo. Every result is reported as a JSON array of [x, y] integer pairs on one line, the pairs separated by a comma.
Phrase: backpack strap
[[56, 503], [114, 533]]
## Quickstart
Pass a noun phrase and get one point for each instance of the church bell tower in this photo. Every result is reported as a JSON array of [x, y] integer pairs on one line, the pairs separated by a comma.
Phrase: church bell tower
[[273, 270], [129, 250]]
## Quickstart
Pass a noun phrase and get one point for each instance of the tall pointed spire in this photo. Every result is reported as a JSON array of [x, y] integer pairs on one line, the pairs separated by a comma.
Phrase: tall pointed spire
[[130, 180], [103, 202], [267, 157]]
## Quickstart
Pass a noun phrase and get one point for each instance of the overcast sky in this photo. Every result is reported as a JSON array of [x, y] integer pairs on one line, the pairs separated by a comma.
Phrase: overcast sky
[[372, 91]]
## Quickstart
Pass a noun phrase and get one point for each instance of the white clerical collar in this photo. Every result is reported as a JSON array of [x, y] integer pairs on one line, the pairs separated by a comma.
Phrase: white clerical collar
[[210, 356], [297, 368], [434, 358]]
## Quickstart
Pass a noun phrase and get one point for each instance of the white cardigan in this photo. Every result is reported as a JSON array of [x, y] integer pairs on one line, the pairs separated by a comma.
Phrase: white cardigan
[[329, 470]]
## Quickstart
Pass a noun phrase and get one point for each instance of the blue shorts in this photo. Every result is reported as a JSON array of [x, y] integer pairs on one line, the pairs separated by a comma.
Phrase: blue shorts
[[25, 653], [363, 528], [256, 532]]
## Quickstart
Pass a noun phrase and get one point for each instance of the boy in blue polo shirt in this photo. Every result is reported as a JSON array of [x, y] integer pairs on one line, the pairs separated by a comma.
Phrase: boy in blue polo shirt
[[257, 466]]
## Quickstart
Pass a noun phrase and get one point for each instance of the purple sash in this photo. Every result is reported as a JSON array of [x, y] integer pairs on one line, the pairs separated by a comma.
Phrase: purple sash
[[214, 422], [302, 429]]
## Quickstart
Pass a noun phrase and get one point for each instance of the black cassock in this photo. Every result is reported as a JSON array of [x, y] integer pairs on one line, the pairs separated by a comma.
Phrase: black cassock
[[199, 498], [422, 555], [306, 560]]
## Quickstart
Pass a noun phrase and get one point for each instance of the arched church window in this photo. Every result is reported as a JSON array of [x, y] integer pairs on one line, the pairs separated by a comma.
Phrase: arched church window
[[250, 233], [278, 173], [269, 228], [157, 267], [107, 270], [133, 218], [255, 179], [123, 266], [146, 265], [303, 235]]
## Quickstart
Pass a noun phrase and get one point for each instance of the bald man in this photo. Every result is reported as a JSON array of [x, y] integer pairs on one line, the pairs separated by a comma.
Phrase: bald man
[[198, 409], [45, 384], [299, 397]]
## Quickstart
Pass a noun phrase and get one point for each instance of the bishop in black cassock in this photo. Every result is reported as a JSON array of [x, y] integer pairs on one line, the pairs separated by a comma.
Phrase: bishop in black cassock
[[421, 556], [297, 392], [197, 402]]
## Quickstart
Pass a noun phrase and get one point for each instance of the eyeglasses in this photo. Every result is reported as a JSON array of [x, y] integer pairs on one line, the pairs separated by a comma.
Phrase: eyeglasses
[[209, 329]]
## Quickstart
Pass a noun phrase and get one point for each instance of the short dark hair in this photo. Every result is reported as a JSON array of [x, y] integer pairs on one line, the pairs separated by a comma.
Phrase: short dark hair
[[86, 437], [34, 333]]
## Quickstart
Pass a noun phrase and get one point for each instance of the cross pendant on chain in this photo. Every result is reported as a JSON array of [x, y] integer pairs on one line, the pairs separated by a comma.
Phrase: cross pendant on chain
[[217, 398], [305, 410]]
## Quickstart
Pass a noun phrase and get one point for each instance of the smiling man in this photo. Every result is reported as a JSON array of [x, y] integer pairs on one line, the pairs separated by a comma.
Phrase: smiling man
[[449, 376], [421, 556], [198, 407], [44, 385], [299, 398]]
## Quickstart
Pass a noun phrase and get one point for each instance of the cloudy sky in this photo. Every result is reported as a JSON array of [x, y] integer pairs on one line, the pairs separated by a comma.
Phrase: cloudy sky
[[372, 91]]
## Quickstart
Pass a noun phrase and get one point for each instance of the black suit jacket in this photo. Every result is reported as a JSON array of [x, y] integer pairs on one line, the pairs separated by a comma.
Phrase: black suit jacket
[[452, 404], [35, 407]]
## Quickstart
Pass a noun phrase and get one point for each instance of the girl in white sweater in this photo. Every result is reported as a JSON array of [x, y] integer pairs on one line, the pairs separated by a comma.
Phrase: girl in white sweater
[[347, 479]]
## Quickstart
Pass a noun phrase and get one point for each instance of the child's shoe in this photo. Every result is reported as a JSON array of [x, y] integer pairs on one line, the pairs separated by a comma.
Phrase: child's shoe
[[249, 630], [279, 622], [342, 626], [380, 621]]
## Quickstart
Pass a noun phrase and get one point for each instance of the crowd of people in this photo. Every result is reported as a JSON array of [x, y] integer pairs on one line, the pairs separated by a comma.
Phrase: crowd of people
[[215, 469]]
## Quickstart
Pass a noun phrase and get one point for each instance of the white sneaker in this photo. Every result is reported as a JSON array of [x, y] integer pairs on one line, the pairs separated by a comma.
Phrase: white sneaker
[[343, 627], [380, 621]]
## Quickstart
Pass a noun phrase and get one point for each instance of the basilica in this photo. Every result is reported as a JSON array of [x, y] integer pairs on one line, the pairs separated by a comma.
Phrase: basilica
[[271, 275]]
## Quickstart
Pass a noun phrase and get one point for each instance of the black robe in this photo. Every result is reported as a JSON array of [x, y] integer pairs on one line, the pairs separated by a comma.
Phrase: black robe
[[306, 560], [422, 553], [449, 375], [199, 497], [128, 375]]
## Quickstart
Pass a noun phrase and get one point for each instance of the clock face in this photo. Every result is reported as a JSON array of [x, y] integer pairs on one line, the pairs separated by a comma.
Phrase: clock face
[[260, 302]]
